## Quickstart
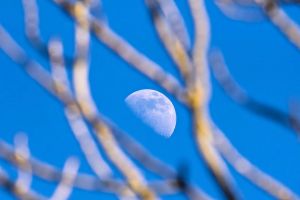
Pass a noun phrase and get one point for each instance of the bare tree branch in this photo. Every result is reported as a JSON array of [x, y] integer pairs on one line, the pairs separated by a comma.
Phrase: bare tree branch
[[64, 188], [250, 171], [240, 96]]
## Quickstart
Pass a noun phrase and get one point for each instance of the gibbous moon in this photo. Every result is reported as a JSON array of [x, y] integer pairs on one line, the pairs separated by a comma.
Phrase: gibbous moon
[[155, 110]]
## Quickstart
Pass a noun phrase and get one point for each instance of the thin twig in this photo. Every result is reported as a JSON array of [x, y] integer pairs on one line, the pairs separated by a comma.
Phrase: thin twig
[[176, 21]]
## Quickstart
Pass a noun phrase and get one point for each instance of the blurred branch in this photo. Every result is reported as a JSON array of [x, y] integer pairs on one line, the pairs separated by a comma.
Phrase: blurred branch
[[72, 112], [24, 177], [17, 191], [273, 10], [82, 181], [52, 174], [88, 107], [53, 86], [32, 30], [64, 188], [176, 22], [82, 112], [281, 20], [168, 37], [240, 96], [250, 171], [129, 54], [199, 98], [19, 56], [137, 151], [43, 78]]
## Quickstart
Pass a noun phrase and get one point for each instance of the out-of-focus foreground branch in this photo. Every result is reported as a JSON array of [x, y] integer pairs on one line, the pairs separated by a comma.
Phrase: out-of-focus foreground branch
[[118, 150]]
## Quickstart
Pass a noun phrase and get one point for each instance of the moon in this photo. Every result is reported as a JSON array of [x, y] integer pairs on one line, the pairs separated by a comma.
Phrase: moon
[[154, 109]]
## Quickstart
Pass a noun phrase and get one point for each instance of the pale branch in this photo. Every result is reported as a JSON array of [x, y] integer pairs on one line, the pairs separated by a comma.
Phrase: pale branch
[[24, 179], [199, 95], [199, 49], [73, 115], [129, 54], [43, 78], [169, 39], [153, 164], [140, 154], [65, 186], [18, 56], [82, 112], [176, 22], [17, 191], [242, 98], [281, 21], [47, 172], [250, 171], [35, 70], [52, 174], [131, 173], [273, 10], [214, 162], [32, 30]]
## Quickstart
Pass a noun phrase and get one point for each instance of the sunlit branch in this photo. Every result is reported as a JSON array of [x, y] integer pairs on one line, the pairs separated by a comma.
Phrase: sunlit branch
[[35, 70], [129, 54], [137, 151], [82, 181], [170, 40], [176, 22], [199, 96], [83, 114], [14, 53], [65, 186], [199, 48], [214, 162], [72, 112], [274, 11], [50, 173], [250, 171], [24, 176], [89, 109], [240, 96]]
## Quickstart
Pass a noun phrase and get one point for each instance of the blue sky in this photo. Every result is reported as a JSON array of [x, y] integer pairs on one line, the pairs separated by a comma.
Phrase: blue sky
[[258, 56]]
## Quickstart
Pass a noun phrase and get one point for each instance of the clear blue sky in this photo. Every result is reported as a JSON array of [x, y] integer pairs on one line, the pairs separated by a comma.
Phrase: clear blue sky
[[263, 62]]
